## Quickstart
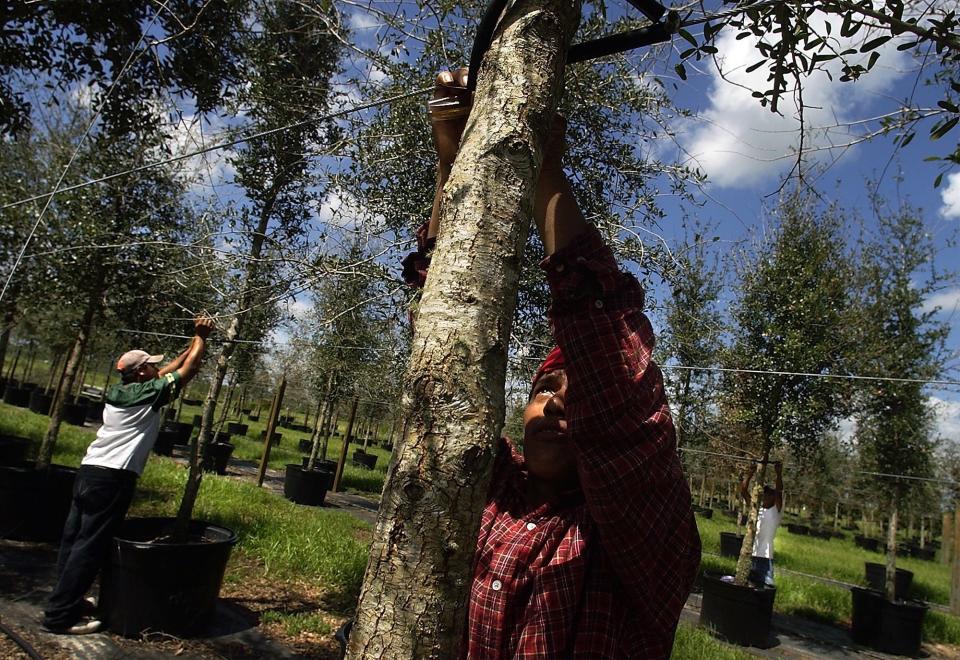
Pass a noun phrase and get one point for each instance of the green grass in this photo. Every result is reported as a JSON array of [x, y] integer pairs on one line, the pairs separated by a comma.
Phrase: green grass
[[299, 622], [695, 643]]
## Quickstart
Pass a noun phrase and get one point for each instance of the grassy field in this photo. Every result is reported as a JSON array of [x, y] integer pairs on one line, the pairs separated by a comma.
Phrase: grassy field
[[289, 543]]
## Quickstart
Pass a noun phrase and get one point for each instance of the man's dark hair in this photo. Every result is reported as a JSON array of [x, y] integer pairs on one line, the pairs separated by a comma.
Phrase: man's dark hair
[[769, 490]]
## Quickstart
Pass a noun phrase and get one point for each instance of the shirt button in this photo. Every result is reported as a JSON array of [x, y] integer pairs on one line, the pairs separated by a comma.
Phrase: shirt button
[[598, 304], [497, 585], [531, 527]]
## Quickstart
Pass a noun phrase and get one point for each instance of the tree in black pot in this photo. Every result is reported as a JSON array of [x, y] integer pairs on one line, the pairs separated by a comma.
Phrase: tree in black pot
[[894, 433], [790, 319]]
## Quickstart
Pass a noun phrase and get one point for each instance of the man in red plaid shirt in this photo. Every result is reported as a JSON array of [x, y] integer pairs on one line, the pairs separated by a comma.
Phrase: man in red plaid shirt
[[588, 545]]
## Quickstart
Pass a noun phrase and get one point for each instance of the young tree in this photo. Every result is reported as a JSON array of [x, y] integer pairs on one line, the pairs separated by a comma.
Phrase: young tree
[[791, 318], [895, 420], [288, 60]]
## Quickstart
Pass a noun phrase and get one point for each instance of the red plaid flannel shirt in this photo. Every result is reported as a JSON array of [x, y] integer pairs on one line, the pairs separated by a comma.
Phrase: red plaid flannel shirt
[[605, 573]]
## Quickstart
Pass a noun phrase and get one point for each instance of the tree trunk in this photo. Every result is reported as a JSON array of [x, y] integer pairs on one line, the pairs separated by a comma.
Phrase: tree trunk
[[746, 550], [54, 367], [330, 424], [346, 445], [946, 538], [12, 373], [45, 453], [31, 356], [955, 558], [703, 489], [323, 411], [9, 317], [413, 603], [889, 587]]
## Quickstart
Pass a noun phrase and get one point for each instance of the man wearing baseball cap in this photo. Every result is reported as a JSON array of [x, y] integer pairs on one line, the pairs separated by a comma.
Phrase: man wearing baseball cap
[[109, 471]]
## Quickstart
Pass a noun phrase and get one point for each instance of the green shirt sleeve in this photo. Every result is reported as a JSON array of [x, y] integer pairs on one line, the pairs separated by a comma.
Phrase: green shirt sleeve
[[157, 392]]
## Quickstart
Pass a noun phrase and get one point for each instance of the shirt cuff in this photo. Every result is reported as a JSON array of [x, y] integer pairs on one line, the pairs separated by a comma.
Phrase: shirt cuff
[[584, 271]]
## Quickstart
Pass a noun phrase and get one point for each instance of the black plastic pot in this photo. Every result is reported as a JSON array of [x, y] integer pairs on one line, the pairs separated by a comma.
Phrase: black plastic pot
[[304, 445], [165, 441], [253, 418], [901, 627], [192, 402], [730, 544], [221, 437], [306, 486], [40, 402], [14, 450], [275, 440], [236, 428], [894, 628], [866, 614], [164, 587], [802, 530], [182, 430], [926, 554], [246, 411], [323, 466], [75, 413], [16, 396], [738, 614], [825, 534], [217, 457], [877, 578], [867, 543], [95, 411], [364, 460], [705, 512], [34, 503], [196, 420]]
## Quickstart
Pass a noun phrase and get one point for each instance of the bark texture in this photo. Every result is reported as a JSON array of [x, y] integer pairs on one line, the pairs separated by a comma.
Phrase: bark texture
[[413, 603]]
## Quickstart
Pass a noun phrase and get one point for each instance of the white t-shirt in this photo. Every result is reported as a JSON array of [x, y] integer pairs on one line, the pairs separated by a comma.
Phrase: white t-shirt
[[767, 523], [131, 423]]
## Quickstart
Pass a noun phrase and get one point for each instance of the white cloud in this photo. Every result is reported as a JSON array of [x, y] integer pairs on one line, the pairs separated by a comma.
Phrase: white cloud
[[207, 170], [739, 143], [950, 196], [362, 20], [948, 418], [948, 301]]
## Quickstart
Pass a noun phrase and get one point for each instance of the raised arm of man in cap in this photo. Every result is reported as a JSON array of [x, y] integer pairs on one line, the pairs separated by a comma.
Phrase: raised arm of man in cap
[[187, 364]]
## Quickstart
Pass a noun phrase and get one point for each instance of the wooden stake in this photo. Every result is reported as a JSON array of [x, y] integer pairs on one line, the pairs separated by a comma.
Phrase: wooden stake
[[271, 427], [346, 444]]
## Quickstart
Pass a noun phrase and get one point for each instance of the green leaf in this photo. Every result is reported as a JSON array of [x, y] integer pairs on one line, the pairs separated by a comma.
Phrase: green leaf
[[873, 60], [943, 129], [874, 43], [712, 50], [681, 71], [947, 105], [689, 37], [755, 66], [938, 180]]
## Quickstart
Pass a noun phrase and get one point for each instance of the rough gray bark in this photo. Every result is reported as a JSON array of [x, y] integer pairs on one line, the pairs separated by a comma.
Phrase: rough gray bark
[[413, 603], [756, 496], [323, 413], [891, 573]]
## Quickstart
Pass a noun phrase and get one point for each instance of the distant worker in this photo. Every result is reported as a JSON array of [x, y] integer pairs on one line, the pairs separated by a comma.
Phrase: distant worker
[[108, 475], [771, 513]]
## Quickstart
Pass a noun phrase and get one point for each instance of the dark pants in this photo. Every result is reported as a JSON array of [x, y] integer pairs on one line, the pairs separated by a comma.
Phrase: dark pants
[[101, 497]]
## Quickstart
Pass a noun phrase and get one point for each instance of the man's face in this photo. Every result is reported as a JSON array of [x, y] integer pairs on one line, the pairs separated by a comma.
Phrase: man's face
[[546, 442], [769, 499], [147, 372]]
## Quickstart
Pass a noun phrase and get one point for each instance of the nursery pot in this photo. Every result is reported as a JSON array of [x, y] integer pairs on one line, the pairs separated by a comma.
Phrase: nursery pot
[[739, 614], [705, 512], [95, 411], [866, 614], [34, 503], [363, 459], [253, 418], [304, 445], [236, 428], [13, 450], [16, 396], [867, 543], [323, 466], [182, 430], [197, 419], [40, 402], [192, 402], [275, 440], [216, 457], [149, 584], [165, 441], [730, 544], [877, 578], [900, 630], [75, 413], [802, 530], [306, 486]]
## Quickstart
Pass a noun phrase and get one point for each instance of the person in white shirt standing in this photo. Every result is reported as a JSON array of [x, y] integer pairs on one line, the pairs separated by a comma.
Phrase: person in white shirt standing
[[109, 471], [771, 513]]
